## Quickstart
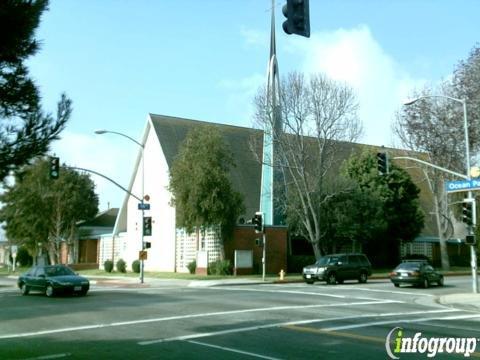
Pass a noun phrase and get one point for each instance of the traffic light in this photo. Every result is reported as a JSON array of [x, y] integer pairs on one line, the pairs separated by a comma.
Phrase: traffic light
[[298, 17], [467, 214], [470, 240], [257, 222], [54, 167], [382, 165], [147, 226]]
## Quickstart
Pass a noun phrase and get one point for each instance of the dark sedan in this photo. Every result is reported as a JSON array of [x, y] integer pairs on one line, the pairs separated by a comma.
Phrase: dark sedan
[[52, 280], [416, 273]]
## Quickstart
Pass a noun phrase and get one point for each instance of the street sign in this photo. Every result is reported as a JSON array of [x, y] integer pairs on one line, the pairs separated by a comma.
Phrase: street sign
[[142, 255], [462, 185], [143, 206]]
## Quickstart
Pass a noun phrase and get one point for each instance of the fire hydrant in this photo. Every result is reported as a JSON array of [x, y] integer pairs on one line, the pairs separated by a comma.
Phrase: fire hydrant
[[282, 275]]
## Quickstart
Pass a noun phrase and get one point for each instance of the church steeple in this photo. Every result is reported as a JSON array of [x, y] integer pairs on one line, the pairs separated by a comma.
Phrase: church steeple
[[272, 128]]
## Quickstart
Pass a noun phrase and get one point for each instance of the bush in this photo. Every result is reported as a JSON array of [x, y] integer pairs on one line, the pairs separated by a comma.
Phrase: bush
[[192, 266], [135, 266], [121, 266], [220, 267], [108, 265]]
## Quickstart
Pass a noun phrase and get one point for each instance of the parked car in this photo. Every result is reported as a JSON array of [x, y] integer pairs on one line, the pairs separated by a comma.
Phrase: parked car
[[52, 279], [418, 272], [337, 268]]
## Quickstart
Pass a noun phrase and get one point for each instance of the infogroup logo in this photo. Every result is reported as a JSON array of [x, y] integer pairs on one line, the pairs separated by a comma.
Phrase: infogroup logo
[[396, 343]]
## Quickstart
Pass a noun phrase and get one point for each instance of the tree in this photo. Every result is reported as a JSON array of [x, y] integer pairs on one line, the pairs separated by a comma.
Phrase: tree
[[466, 85], [435, 126], [354, 216], [38, 209], [25, 130], [400, 209], [200, 185], [317, 116]]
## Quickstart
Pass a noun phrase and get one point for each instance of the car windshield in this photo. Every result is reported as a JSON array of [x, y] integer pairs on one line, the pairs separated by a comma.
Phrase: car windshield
[[408, 266], [327, 260], [58, 271]]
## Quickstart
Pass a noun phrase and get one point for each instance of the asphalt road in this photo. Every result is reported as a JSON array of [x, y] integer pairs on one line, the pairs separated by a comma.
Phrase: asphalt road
[[267, 321]]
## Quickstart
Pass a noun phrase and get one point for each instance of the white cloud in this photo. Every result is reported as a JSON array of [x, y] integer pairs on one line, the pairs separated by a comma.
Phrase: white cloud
[[255, 37], [106, 155], [354, 56], [240, 96]]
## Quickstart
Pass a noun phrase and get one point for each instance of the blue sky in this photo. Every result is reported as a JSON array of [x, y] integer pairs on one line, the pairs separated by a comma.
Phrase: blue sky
[[119, 60]]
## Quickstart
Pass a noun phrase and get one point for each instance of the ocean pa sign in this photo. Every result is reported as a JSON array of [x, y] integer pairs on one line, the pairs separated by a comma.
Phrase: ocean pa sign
[[462, 185]]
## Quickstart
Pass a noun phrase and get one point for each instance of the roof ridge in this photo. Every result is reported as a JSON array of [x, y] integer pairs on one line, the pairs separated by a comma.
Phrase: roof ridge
[[202, 121]]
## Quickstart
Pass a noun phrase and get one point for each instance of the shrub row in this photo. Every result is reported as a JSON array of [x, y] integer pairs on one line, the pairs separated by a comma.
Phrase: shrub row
[[121, 266]]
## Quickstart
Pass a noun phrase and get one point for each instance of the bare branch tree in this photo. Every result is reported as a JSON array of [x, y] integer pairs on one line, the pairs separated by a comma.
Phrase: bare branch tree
[[434, 126], [317, 115]]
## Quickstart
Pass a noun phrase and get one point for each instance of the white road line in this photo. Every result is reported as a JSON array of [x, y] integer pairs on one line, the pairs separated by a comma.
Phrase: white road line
[[357, 326], [283, 324], [192, 316], [234, 350], [347, 287], [450, 327], [48, 357], [277, 291]]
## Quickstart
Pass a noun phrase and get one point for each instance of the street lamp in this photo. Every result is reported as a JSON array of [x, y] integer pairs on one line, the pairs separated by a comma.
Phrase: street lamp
[[103, 131], [473, 255]]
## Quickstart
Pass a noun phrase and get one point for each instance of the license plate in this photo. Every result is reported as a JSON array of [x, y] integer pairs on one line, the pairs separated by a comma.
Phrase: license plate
[[77, 288], [309, 276]]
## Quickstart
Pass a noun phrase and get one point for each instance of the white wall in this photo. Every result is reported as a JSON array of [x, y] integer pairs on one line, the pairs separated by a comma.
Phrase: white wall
[[161, 255]]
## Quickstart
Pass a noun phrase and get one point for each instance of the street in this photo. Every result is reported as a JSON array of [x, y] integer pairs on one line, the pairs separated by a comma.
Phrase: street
[[265, 321]]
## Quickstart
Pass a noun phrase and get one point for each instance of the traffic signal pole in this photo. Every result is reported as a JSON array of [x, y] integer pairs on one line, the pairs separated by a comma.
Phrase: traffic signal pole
[[473, 253], [264, 254]]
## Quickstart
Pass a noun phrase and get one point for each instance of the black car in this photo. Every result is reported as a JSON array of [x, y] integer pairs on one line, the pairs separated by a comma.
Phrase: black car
[[337, 268], [419, 273], [52, 280]]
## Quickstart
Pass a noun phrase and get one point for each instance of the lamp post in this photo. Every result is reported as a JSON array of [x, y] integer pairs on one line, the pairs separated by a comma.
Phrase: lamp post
[[473, 255], [103, 131]]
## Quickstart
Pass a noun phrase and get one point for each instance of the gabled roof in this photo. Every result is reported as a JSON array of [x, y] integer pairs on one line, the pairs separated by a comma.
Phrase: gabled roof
[[245, 176], [104, 219]]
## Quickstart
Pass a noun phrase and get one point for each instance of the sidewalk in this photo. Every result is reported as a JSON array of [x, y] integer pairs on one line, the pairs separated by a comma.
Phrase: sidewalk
[[466, 301]]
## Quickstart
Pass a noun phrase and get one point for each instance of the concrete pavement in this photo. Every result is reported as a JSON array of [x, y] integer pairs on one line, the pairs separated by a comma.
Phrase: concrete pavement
[[466, 301]]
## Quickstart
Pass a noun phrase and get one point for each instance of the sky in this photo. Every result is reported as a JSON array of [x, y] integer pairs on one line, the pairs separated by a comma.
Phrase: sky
[[119, 60]]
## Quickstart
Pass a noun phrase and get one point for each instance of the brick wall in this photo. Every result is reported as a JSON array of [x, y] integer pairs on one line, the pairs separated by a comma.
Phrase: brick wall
[[276, 251]]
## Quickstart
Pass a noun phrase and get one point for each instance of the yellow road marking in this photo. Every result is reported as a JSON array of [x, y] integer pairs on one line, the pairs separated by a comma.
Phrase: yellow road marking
[[346, 335], [335, 333]]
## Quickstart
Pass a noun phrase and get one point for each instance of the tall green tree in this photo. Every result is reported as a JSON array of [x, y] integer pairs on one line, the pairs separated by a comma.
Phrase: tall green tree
[[353, 216], [200, 184], [25, 130], [400, 208], [38, 209]]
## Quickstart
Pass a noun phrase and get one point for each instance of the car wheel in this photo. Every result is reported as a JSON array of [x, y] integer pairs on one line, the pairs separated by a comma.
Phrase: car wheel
[[363, 278], [440, 281], [426, 284], [84, 292], [24, 289], [49, 291], [332, 279], [396, 285]]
